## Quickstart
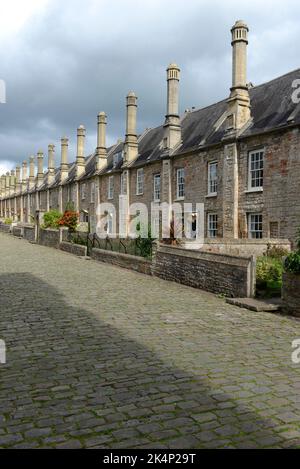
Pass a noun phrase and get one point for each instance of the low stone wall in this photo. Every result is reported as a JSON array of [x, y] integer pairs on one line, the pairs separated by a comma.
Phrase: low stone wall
[[291, 294], [139, 264], [29, 233], [5, 228], [229, 275], [76, 249], [243, 247], [17, 231], [49, 237]]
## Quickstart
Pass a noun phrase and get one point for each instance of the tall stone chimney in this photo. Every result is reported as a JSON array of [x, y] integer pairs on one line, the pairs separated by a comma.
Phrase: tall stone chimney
[[239, 100], [172, 134], [40, 170], [64, 167], [31, 172], [101, 152], [51, 164], [24, 176], [7, 184], [18, 179], [80, 161], [131, 142], [12, 184], [3, 186]]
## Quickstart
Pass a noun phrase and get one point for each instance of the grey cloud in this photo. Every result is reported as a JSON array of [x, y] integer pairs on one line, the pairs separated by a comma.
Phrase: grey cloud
[[80, 57]]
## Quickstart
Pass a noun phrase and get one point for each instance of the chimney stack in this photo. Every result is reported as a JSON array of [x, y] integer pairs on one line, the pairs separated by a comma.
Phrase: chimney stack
[[80, 161], [101, 152], [24, 175], [18, 179], [131, 143], [40, 171], [172, 135], [239, 100], [31, 172], [12, 183], [7, 184], [2, 186], [64, 167], [51, 164]]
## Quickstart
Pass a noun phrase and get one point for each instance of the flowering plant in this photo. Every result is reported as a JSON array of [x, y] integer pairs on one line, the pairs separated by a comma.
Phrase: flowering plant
[[69, 219]]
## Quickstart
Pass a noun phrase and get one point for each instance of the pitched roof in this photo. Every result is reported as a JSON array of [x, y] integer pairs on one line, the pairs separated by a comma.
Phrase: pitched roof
[[271, 108]]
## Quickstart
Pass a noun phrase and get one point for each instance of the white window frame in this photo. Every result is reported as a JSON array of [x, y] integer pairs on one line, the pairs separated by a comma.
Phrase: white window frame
[[253, 224], [255, 173], [180, 183], [110, 188], [212, 225], [212, 182], [156, 187], [109, 227], [140, 181], [83, 191], [93, 192], [123, 183]]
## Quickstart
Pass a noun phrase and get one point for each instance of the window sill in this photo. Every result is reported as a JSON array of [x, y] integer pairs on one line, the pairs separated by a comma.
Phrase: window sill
[[142, 193], [251, 191], [179, 199], [157, 201], [208, 196]]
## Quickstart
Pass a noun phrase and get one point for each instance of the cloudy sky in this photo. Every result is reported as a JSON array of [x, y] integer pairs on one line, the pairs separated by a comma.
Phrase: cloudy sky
[[64, 61]]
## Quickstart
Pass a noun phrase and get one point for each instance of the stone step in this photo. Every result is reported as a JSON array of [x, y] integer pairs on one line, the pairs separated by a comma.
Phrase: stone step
[[270, 305]]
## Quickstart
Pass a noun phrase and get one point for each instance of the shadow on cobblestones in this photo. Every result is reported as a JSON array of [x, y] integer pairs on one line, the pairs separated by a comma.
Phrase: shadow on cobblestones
[[73, 381]]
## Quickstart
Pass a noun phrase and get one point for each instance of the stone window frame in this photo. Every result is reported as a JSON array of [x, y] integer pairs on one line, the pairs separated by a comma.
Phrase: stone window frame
[[212, 225], [140, 181], [180, 183], [110, 188], [156, 188], [257, 172], [209, 180], [255, 225]]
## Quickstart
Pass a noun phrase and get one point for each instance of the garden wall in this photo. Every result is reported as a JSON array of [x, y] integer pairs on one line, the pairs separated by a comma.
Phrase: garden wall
[[49, 237], [291, 294], [218, 273], [139, 264], [17, 231], [72, 248], [5, 228], [243, 247], [29, 233]]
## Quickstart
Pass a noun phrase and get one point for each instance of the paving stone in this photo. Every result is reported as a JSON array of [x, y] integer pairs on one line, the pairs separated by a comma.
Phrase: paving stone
[[94, 361]]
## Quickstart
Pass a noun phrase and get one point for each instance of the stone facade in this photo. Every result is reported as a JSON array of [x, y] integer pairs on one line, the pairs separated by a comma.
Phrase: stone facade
[[240, 158]]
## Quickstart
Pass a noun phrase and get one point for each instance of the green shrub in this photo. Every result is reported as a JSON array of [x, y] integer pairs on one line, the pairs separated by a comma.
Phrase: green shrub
[[292, 263], [51, 219], [8, 221], [268, 269]]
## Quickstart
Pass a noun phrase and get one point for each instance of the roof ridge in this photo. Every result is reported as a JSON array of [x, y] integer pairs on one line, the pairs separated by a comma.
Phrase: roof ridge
[[275, 79]]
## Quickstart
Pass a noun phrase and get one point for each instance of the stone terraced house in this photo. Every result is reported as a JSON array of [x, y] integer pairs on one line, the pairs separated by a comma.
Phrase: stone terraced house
[[239, 157]]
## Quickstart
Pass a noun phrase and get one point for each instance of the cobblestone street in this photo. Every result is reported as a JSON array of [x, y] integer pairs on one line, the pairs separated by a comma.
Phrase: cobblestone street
[[103, 357]]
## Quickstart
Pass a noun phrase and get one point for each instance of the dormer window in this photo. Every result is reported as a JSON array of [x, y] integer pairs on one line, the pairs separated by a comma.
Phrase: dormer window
[[117, 158]]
